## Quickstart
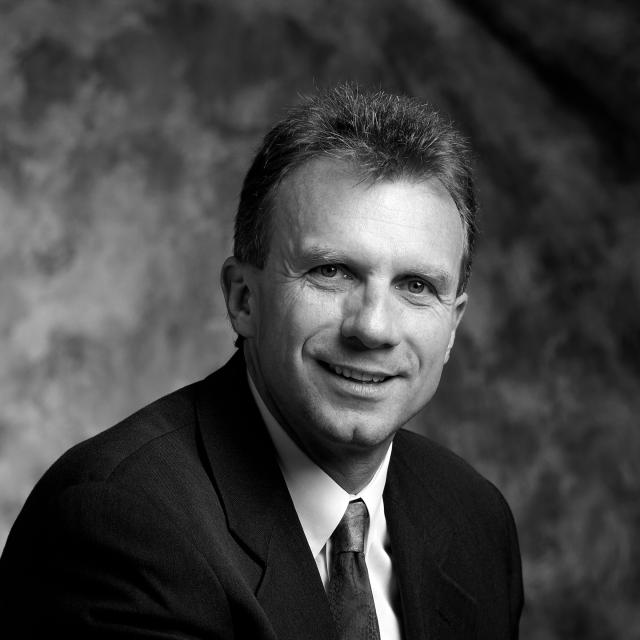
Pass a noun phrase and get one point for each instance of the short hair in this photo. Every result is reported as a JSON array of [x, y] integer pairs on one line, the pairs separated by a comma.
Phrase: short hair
[[383, 136]]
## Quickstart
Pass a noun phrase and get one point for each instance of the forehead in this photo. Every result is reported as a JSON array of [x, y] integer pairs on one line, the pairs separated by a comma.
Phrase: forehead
[[326, 201]]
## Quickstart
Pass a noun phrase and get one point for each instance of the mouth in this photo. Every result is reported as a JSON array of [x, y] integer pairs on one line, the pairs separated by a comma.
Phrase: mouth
[[357, 375]]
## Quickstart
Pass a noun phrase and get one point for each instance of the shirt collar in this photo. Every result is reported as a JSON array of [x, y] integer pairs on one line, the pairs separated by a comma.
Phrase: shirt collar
[[319, 501]]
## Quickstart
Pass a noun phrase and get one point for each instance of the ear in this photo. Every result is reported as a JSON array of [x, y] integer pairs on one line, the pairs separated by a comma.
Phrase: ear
[[458, 311], [235, 280]]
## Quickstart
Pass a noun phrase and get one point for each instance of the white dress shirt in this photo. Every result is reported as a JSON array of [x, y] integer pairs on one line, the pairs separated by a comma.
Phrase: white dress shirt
[[320, 504]]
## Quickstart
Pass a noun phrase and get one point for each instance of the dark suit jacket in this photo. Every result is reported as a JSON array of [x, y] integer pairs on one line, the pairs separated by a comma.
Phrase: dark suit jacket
[[177, 523]]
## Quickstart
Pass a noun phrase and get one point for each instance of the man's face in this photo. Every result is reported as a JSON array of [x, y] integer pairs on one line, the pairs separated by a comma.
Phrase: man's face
[[352, 318]]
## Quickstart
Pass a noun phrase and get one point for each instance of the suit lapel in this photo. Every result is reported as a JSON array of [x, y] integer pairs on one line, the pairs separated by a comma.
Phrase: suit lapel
[[259, 510], [433, 605]]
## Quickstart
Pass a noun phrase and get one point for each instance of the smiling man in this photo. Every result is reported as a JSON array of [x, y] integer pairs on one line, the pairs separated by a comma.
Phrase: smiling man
[[280, 497], [350, 320]]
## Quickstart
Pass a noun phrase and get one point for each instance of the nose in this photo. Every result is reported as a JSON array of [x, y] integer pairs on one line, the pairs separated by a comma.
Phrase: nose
[[370, 321]]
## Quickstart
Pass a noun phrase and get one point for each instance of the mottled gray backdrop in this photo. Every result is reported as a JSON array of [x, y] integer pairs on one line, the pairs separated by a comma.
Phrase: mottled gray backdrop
[[125, 129]]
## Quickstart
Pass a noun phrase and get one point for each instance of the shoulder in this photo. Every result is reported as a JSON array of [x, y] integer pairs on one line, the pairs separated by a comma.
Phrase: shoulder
[[114, 472], [126, 513], [154, 456], [169, 425], [170, 419], [432, 469], [465, 523], [438, 484], [431, 460], [148, 467], [156, 452]]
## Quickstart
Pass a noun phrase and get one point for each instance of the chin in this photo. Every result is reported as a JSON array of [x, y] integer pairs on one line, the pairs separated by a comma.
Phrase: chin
[[360, 433]]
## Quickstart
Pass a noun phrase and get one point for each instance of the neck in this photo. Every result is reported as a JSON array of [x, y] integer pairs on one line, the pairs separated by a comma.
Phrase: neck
[[353, 471]]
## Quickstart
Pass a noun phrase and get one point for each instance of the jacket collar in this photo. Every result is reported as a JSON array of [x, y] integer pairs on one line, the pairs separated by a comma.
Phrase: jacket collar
[[258, 508], [421, 533]]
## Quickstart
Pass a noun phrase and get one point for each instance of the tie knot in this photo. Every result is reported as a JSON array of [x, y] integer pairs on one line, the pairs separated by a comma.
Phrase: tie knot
[[349, 534]]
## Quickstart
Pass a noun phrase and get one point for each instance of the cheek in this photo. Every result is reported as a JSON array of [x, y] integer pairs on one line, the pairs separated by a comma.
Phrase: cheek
[[292, 315], [311, 310], [429, 339]]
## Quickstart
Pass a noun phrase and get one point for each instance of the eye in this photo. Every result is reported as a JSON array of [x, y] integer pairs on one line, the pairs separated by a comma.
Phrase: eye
[[337, 273], [328, 270], [415, 286]]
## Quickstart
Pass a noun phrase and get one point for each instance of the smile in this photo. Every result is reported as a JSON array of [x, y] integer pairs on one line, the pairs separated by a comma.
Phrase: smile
[[357, 375]]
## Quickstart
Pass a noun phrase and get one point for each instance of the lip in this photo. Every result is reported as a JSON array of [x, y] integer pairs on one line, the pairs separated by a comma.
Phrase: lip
[[357, 375]]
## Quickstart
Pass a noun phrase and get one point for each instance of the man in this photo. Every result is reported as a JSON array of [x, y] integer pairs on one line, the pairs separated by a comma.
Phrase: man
[[279, 497]]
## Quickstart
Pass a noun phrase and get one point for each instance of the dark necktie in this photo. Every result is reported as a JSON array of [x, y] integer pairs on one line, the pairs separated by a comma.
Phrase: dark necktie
[[350, 597]]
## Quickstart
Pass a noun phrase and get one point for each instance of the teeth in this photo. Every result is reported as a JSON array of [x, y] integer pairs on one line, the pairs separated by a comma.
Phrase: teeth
[[354, 374]]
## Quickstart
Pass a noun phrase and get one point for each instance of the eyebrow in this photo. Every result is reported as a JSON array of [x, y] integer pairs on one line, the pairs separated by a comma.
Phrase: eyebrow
[[436, 274], [318, 252]]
